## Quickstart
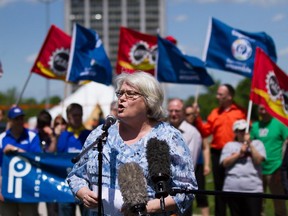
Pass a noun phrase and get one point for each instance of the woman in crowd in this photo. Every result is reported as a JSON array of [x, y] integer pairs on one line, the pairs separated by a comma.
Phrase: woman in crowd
[[242, 160], [140, 118]]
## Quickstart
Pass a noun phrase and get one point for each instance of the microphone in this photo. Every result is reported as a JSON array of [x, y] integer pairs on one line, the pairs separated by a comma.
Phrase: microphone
[[110, 120], [158, 157], [133, 188]]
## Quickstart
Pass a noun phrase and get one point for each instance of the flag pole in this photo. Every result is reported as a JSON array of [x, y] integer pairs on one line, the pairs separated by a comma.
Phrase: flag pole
[[23, 89], [204, 54], [65, 95], [196, 95], [165, 101], [249, 115]]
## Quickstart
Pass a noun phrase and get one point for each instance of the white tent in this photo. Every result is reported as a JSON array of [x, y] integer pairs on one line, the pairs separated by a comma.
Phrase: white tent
[[89, 96]]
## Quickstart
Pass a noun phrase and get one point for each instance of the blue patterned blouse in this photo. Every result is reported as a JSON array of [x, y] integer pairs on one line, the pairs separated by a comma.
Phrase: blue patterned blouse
[[116, 153]]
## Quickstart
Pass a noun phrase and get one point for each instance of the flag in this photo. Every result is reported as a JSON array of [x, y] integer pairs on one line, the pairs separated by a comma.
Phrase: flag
[[36, 177], [1, 70], [88, 59], [175, 67], [52, 60], [136, 51], [269, 87], [233, 50]]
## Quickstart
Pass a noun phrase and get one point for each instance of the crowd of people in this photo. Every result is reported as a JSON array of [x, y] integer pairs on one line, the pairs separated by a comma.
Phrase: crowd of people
[[243, 156]]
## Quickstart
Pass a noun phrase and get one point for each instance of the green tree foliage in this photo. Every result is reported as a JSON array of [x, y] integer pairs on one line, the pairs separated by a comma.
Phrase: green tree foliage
[[243, 92], [208, 101], [30, 105]]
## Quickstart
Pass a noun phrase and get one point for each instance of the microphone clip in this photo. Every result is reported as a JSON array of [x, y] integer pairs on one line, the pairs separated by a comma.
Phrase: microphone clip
[[139, 209], [161, 185]]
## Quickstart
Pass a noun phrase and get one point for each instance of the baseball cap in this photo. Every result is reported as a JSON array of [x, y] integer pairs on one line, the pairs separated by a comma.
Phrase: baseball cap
[[239, 125], [14, 112]]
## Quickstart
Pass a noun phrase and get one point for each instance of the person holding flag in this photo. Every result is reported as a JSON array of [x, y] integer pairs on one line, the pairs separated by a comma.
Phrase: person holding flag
[[219, 125], [17, 139]]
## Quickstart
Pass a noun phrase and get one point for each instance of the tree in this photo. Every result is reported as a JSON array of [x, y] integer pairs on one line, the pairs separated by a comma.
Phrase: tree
[[206, 101], [29, 105]]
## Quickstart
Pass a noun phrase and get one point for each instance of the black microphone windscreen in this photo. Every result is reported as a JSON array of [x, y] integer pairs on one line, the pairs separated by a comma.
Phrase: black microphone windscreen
[[133, 186], [110, 120], [158, 158]]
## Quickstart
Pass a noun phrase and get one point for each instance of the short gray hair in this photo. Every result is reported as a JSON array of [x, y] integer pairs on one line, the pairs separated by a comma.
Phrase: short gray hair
[[149, 87]]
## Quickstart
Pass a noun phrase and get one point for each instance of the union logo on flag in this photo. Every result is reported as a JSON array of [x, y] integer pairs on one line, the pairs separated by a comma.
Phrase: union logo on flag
[[137, 51], [269, 87], [52, 60]]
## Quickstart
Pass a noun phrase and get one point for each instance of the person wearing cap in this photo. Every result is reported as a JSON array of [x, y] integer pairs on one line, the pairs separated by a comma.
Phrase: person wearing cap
[[18, 139], [242, 160], [219, 124]]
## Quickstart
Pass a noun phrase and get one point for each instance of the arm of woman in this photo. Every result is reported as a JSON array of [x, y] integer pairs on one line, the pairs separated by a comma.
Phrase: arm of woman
[[229, 156], [78, 177], [88, 197], [257, 150], [153, 206], [183, 176], [230, 161]]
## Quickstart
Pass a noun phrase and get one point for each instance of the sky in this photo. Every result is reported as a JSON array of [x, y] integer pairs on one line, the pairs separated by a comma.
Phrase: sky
[[23, 28]]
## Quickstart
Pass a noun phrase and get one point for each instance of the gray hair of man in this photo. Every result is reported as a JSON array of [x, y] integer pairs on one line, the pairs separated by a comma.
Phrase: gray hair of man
[[149, 88]]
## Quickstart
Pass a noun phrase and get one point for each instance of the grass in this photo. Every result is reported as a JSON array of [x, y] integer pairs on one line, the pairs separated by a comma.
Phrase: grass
[[269, 209]]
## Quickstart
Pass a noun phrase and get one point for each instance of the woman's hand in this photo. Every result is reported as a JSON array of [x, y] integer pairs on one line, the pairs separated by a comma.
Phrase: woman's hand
[[88, 197]]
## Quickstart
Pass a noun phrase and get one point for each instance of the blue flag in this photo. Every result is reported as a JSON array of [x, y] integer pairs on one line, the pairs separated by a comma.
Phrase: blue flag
[[175, 67], [30, 177], [88, 59], [234, 50]]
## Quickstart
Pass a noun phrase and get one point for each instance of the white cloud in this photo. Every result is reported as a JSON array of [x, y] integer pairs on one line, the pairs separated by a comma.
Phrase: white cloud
[[278, 17], [31, 58], [181, 18]]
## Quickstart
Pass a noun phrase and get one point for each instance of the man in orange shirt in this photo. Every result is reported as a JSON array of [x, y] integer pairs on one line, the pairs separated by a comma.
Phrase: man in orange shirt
[[219, 125]]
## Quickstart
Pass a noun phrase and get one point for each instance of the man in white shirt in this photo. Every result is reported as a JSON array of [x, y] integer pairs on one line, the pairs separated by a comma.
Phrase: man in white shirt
[[191, 135]]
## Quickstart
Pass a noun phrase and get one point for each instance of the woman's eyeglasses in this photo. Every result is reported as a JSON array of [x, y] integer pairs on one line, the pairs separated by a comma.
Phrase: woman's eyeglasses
[[128, 94]]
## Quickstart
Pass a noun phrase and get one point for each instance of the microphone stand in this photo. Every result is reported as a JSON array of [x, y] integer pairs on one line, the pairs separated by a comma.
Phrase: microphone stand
[[99, 142], [100, 164]]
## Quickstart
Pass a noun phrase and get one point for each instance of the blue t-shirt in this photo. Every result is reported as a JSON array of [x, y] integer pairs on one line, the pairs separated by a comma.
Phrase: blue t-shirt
[[28, 141], [67, 142]]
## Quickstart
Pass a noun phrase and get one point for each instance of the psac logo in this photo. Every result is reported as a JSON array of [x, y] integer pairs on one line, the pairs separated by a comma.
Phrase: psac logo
[[241, 49], [18, 168]]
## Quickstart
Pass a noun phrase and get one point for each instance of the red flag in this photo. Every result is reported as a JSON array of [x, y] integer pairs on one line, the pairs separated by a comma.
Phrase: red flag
[[269, 87], [136, 51], [52, 60]]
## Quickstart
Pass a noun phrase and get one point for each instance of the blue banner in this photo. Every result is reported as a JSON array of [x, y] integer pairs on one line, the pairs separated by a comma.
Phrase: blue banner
[[36, 177], [175, 67], [234, 50], [88, 59]]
